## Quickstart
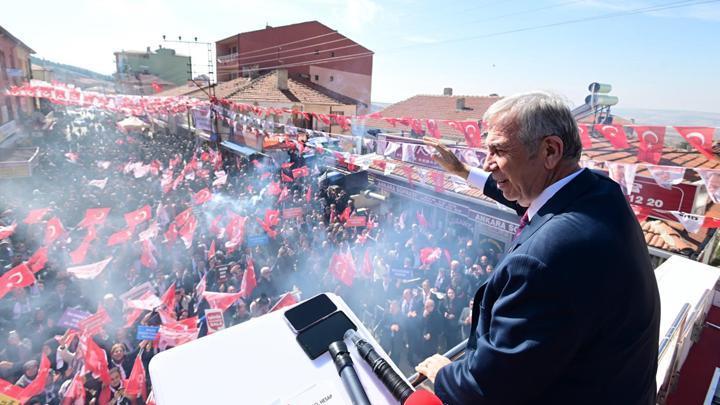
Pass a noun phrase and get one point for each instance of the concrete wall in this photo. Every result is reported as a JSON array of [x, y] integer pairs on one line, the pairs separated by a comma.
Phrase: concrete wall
[[173, 68]]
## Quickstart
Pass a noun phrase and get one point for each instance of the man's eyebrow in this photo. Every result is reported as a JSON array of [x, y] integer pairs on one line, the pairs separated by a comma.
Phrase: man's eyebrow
[[497, 144]]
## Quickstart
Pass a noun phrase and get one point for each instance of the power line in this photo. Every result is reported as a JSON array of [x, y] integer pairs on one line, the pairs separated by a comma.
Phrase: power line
[[660, 7], [314, 61], [292, 42], [304, 54], [238, 57]]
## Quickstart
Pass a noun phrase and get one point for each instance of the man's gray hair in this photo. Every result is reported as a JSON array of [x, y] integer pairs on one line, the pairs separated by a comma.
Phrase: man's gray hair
[[534, 116]]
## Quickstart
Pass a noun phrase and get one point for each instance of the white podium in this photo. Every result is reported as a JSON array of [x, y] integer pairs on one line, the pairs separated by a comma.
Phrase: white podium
[[259, 363]]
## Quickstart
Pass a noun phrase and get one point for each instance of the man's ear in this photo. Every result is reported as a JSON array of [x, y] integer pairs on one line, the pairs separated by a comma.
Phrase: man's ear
[[551, 150]]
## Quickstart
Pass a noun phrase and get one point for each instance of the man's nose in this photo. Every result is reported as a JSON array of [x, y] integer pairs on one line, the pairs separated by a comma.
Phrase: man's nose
[[489, 163]]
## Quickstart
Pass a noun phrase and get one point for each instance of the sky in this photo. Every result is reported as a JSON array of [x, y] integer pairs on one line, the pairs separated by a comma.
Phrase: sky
[[663, 60]]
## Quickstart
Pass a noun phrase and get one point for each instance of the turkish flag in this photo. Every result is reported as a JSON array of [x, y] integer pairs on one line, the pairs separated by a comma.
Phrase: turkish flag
[[367, 268], [202, 196], [342, 267], [211, 252], [287, 165], [345, 214], [701, 138], [285, 178], [222, 301], [54, 230], [95, 359], [641, 212], [274, 188], [249, 282], [37, 261], [138, 216], [270, 232], [408, 173], [147, 257], [36, 216], [652, 140], [584, 131], [89, 271], [187, 231], [168, 299], [7, 231], [438, 179], [471, 131], [615, 134], [322, 117], [300, 172], [235, 230], [77, 256], [421, 219], [18, 277], [430, 255], [136, 384], [432, 128], [75, 394], [284, 193], [94, 216], [272, 217], [286, 300], [183, 217], [37, 385], [118, 237]]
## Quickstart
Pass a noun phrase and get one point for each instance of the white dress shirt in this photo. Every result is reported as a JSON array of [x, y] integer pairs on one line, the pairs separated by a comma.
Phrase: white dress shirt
[[478, 177]]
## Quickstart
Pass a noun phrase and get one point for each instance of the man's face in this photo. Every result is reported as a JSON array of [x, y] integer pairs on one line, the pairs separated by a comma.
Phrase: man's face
[[519, 176]]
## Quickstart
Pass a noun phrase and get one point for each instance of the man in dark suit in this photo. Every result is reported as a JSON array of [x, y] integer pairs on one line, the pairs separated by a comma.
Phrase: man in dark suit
[[571, 314]]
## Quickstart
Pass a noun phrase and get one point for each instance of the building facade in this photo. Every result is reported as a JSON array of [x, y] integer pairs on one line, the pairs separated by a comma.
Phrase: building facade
[[14, 69], [310, 51], [136, 71]]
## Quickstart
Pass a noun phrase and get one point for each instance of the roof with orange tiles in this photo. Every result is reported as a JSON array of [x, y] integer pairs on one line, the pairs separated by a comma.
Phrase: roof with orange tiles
[[264, 88], [222, 90], [436, 107]]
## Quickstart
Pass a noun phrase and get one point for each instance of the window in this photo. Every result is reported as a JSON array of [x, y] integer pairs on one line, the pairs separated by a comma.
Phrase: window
[[332, 78], [317, 77], [332, 54], [317, 52], [233, 50], [2, 65]]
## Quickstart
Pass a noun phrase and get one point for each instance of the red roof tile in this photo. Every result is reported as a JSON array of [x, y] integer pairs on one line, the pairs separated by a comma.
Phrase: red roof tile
[[264, 88], [435, 107]]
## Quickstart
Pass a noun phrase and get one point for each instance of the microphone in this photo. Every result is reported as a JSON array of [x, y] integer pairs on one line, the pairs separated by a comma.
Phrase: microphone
[[344, 364], [399, 389], [422, 397]]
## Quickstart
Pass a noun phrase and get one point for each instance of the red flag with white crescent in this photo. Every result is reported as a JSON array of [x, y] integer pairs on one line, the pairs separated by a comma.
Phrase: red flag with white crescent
[[701, 138], [135, 218], [94, 216], [249, 282], [286, 300], [584, 130], [432, 128], [7, 231], [222, 301], [37, 385], [77, 256], [136, 384], [18, 277], [652, 140], [35, 216], [37, 261], [202, 196], [430, 255], [147, 257], [54, 230], [615, 134], [187, 231], [122, 236], [95, 359]]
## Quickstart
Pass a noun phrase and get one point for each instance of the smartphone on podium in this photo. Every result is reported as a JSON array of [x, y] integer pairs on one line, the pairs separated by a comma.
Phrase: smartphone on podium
[[316, 339], [308, 312]]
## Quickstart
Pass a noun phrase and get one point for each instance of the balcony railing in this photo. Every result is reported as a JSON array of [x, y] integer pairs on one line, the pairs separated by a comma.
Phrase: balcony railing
[[227, 58]]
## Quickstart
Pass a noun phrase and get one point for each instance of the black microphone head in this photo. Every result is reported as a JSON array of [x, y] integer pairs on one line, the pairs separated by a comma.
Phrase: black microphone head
[[337, 347]]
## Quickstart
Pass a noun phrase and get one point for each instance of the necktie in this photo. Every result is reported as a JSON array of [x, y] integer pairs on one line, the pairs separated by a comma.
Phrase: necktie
[[523, 222]]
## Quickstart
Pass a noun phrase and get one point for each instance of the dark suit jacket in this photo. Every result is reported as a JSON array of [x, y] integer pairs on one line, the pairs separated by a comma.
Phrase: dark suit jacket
[[570, 315]]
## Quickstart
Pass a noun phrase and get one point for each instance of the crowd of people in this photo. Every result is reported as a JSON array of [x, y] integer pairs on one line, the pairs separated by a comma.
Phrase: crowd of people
[[246, 235]]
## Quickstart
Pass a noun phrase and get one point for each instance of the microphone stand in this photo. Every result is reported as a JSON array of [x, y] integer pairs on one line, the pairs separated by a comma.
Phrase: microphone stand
[[453, 354]]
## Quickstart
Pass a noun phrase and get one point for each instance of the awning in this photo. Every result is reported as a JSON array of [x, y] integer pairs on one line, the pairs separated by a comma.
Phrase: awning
[[239, 149]]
